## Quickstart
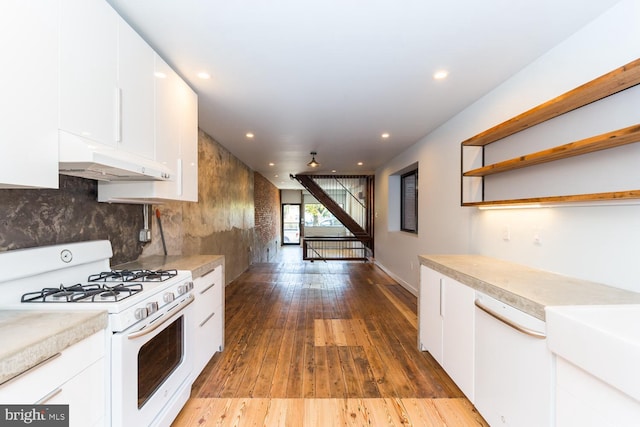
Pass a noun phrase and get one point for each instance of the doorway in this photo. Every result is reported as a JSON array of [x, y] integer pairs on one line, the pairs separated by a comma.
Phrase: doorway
[[291, 213]]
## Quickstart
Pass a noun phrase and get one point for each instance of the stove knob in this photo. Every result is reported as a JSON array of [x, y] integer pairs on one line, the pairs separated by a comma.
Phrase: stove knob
[[141, 313], [152, 307], [168, 297], [184, 288]]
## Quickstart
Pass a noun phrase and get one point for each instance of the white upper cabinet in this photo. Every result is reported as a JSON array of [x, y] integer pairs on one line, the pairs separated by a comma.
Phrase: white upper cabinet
[[176, 145], [167, 126], [29, 86], [188, 143], [106, 79], [81, 96], [89, 71], [136, 91]]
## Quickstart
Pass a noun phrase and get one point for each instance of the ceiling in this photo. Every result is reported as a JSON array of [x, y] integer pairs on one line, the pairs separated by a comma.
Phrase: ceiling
[[331, 76]]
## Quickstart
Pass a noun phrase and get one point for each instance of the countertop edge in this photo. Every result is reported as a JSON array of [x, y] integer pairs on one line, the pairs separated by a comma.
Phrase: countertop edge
[[22, 359], [527, 289]]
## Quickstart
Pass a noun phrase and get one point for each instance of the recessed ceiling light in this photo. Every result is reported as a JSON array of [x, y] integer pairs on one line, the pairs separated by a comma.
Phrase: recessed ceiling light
[[333, 171], [204, 75], [385, 135], [360, 163], [249, 135], [271, 164], [276, 176], [441, 74]]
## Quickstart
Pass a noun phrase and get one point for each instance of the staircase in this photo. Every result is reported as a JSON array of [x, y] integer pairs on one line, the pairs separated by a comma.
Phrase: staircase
[[360, 233]]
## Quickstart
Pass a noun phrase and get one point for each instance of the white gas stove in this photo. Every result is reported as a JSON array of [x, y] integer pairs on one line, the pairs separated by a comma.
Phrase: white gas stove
[[149, 354]]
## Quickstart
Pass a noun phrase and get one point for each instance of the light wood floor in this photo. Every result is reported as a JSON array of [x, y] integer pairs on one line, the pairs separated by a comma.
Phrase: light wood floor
[[322, 344]]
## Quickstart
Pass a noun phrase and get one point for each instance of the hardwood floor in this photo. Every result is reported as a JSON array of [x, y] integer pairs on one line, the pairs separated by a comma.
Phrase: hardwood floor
[[322, 344]]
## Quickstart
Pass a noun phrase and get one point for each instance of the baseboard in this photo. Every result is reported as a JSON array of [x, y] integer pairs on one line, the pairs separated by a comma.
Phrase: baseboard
[[401, 282]]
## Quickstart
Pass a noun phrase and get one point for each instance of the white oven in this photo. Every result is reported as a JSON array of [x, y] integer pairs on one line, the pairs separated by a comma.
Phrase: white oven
[[151, 368], [149, 341]]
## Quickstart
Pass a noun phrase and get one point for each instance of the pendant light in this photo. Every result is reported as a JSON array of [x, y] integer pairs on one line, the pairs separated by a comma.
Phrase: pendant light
[[313, 162]]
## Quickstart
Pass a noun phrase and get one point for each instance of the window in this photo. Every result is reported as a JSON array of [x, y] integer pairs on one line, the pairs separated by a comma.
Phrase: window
[[409, 201]]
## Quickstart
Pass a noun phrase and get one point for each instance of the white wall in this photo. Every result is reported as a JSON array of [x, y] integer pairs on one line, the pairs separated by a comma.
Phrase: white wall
[[290, 196], [599, 243]]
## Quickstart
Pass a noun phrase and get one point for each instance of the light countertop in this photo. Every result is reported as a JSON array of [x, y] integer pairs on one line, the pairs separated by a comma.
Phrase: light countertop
[[525, 288], [199, 265], [30, 336]]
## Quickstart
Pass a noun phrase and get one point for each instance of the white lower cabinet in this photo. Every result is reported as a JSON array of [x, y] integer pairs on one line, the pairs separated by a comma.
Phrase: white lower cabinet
[[446, 326], [74, 377], [513, 368], [209, 317], [584, 400]]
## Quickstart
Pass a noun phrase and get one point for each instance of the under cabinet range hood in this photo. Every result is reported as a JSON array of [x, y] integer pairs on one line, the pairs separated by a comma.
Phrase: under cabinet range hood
[[86, 159]]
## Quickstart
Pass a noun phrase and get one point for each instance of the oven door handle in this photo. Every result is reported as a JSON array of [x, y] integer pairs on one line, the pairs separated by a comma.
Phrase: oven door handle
[[155, 326]]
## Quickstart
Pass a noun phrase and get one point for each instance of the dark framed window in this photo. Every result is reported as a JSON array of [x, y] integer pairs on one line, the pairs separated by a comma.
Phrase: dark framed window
[[409, 201]]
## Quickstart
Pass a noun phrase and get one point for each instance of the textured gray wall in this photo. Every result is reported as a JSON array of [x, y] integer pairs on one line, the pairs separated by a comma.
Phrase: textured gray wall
[[30, 218], [222, 222]]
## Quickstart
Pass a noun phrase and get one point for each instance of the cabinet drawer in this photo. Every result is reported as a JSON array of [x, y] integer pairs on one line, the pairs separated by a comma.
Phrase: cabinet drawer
[[209, 287], [41, 380]]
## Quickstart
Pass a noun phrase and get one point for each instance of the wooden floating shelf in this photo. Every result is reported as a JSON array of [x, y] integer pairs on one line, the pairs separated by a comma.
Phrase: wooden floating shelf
[[604, 141], [613, 82], [577, 198]]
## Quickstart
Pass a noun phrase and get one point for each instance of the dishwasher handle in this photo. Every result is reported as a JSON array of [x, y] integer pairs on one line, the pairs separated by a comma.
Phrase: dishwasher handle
[[509, 322]]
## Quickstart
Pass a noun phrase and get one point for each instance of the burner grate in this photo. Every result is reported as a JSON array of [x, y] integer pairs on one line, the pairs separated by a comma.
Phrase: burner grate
[[133, 276], [84, 293]]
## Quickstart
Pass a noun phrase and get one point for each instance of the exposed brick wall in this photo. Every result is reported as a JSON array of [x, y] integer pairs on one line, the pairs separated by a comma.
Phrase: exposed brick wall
[[267, 218]]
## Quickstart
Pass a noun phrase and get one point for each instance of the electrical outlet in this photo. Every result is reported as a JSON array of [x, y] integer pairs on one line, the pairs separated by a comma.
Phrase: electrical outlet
[[537, 236], [506, 233], [145, 235]]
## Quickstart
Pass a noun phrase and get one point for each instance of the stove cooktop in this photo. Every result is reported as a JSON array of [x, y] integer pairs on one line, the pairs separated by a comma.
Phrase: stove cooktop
[[104, 287]]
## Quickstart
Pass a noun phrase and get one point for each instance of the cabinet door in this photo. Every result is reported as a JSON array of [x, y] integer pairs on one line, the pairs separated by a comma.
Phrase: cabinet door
[[188, 143], [586, 401], [167, 123], [85, 395], [513, 371], [446, 325], [430, 319], [29, 87], [208, 317], [88, 70], [136, 83], [458, 334], [176, 144]]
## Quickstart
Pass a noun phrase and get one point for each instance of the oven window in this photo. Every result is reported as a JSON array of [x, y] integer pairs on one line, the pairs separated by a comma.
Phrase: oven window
[[158, 358]]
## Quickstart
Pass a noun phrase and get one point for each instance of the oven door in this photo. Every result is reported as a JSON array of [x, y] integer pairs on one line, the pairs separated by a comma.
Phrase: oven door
[[151, 369]]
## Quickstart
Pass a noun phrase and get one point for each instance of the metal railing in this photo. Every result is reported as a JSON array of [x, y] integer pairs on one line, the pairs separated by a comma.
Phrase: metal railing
[[349, 193], [334, 249]]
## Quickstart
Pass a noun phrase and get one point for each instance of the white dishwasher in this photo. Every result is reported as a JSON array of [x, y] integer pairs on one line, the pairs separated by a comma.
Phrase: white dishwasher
[[513, 366]]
